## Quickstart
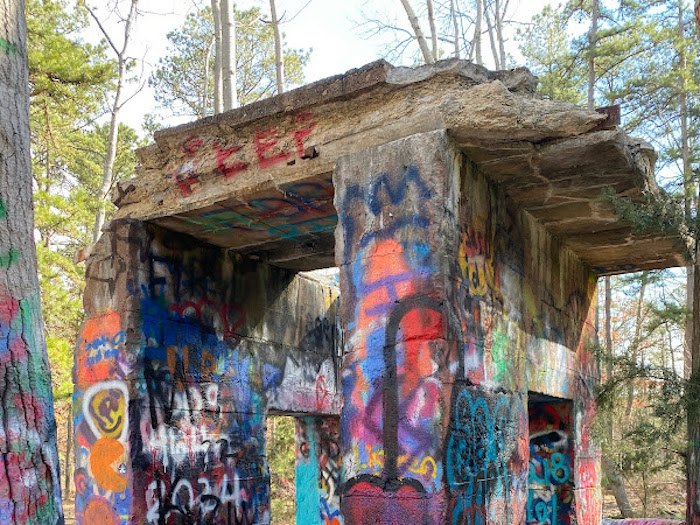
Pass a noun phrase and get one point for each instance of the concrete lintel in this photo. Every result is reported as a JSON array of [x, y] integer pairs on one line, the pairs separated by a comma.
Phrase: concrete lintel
[[258, 176]]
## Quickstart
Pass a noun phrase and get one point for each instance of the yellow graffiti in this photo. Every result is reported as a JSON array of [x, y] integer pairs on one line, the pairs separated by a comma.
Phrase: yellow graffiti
[[107, 409], [476, 261], [375, 462]]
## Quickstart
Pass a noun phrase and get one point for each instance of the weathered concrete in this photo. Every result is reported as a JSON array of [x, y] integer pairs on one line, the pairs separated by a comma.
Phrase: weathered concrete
[[464, 214], [184, 351], [453, 309], [258, 179]]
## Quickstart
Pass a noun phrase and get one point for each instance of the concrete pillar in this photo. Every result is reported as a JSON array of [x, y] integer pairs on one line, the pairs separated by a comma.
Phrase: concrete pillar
[[397, 225]]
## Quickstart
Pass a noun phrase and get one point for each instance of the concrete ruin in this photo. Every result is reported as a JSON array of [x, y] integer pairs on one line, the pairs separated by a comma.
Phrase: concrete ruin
[[446, 379]]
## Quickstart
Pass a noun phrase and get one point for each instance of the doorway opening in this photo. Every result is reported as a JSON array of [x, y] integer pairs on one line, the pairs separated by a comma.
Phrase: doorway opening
[[281, 460], [551, 474]]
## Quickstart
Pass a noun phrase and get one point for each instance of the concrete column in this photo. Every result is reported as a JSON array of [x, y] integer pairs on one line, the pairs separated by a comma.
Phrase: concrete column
[[397, 225]]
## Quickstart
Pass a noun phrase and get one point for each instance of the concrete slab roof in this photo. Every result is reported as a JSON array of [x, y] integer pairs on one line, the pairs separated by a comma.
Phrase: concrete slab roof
[[258, 179]]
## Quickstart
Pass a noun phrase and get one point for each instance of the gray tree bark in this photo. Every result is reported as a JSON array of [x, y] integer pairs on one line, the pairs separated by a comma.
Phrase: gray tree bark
[[113, 140], [433, 30], [228, 55], [418, 32], [279, 57], [455, 24], [478, 32], [30, 487], [218, 81]]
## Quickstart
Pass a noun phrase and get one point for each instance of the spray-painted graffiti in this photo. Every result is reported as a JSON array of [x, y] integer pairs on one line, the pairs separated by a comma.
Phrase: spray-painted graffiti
[[396, 334], [228, 158], [641, 521], [318, 463], [295, 210], [485, 455], [30, 490], [101, 401], [551, 473]]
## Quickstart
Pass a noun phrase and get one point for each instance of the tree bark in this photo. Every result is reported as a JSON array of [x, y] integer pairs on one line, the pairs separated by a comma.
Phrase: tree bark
[[30, 486], [205, 78], [455, 23], [615, 481], [433, 30], [492, 38], [617, 486], [228, 55], [636, 341], [218, 49], [279, 57], [418, 32], [113, 138], [500, 15], [609, 352], [592, 43], [477, 32]]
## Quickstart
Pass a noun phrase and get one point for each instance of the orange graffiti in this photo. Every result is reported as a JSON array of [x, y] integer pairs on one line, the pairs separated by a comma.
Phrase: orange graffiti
[[98, 332], [99, 512], [105, 455]]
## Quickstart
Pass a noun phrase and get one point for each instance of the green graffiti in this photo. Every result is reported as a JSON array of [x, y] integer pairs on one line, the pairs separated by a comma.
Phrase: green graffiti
[[499, 355], [9, 258], [7, 47], [3, 209]]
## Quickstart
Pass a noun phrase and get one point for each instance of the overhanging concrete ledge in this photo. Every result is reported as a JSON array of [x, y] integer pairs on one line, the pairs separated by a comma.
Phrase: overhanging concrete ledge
[[258, 179]]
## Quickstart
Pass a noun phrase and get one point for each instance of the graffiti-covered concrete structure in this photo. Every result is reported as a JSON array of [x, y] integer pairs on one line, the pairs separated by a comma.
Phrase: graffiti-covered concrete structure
[[447, 378]]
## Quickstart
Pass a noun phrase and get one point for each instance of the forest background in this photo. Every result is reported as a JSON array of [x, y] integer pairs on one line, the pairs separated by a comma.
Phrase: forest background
[[100, 88]]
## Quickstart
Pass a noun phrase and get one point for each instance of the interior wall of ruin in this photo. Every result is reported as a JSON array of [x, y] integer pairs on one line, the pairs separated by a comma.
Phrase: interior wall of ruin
[[184, 350]]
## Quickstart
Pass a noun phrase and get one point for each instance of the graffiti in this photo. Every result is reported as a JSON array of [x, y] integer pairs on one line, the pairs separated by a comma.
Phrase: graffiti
[[9, 258], [318, 463], [641, 521], [392, 401], [7, 47], [268, 148], [551, 492], [29, 486], [296, 210], [101, 423], [484, 456]]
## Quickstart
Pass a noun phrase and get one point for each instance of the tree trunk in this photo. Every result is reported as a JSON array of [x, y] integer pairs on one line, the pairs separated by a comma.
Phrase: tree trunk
[[228, 55], [205, 78], [455, 22], [218, 49], [477, 32], [279, 57], [592, 43], [609, 353], [492, 38], [418, 32], [500, 15], [113, 139], [636, 341], [30, 486], [617, 486], [615, 481], [433, 31]]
